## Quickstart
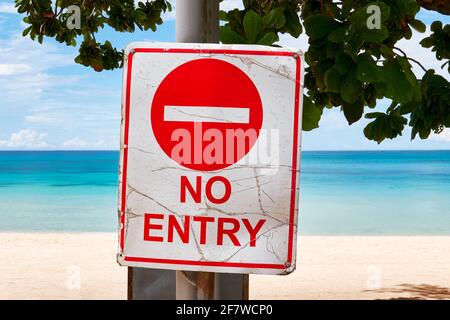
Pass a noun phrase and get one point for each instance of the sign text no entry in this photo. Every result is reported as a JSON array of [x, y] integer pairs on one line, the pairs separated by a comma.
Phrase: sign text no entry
[[210, 150]]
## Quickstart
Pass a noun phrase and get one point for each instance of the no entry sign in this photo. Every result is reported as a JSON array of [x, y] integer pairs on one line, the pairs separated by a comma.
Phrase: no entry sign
[[210, 156], [205, 87]]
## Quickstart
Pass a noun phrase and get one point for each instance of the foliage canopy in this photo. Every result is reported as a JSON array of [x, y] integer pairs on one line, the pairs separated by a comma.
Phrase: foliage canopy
[[349, 65]]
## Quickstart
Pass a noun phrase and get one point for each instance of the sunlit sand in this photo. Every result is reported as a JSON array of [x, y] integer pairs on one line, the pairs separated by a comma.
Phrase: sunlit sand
[[83, 266]]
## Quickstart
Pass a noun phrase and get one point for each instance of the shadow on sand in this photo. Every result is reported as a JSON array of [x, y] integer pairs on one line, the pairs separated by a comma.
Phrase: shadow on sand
[[416, 292]]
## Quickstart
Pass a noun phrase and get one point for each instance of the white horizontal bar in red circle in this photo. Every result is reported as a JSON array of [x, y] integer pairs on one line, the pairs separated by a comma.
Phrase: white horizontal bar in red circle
[[206, 114]]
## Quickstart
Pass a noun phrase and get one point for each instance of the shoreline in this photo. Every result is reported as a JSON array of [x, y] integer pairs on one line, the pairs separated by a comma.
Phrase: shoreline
[[73, 265]]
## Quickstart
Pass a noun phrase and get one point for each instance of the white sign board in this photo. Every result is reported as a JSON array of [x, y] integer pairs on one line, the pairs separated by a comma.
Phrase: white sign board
[[210, 157]]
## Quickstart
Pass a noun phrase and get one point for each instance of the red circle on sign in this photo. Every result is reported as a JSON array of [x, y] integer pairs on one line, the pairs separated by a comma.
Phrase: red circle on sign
[[206, 114]]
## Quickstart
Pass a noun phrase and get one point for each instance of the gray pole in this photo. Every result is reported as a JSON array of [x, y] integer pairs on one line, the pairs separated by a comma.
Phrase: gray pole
[[197, 21]]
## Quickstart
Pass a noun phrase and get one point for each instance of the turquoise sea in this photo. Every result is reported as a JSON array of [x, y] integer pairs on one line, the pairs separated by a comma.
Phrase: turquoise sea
[[342, 193]]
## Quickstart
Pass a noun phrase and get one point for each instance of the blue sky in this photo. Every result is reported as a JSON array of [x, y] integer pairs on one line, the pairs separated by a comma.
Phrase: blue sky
[[49, 102]]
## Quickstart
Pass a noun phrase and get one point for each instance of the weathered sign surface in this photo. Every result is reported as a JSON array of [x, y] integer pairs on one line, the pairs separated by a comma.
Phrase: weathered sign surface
[[210, 157]]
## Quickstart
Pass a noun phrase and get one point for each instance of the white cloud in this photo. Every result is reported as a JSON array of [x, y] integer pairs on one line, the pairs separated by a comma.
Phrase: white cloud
[[75, 143], [43, 119], [25, 69], [41, 57], [81, 144], [444, 136], [8, 69], [7, 8], [26, 138]]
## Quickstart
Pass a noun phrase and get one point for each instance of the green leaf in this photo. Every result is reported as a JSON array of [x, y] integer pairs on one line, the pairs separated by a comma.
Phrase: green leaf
[[427, 42], [339, 35], [351, 87], [374, 115], [293, 24], [353, 112], [407, 70], [223, 16], [332, 80], [375, 35], [140, 15], [407, 108], [311, 114], [387, 51], [407, 33], [319, 25], [418, 25], [436, 26], [252, 26], [274, 19], [343, 62], [229, 36], [385, 126], [347, 6], [367, 70], [27, 31], [268, 39], [398, 87]]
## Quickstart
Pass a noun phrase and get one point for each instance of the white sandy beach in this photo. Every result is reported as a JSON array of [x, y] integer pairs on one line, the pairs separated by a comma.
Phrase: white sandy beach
[[48, 266]]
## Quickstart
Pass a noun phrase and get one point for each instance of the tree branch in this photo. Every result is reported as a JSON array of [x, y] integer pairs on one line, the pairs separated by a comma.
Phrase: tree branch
[[441, 6], [411, 59]]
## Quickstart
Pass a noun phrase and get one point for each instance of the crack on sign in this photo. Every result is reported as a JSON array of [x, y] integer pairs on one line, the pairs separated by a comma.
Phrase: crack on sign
[[281, 70], [129, 214], [142, 150], [251, 188], [233, 214], [246, 178], [132, 189], [268, 196], [199, 249], [257, 238], [272, 250], [258, 187], [132, 215], [172, 168]]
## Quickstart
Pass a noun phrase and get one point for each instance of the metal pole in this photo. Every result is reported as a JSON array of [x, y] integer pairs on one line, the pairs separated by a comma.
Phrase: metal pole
[[197, 21]]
